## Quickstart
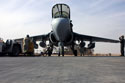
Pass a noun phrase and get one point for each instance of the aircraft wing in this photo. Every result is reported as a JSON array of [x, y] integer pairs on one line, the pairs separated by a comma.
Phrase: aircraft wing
[[93, 38], [43, 37]]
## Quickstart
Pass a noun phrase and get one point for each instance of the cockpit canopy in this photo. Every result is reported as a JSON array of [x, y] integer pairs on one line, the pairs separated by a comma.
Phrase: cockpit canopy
[[61, 10]]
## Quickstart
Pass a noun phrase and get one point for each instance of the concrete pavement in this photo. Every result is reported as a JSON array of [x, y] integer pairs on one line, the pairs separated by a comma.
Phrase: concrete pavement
[[62, 69]]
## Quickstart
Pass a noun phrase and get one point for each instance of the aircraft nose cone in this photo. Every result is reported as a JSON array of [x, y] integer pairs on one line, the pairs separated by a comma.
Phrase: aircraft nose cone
[[61, 28]]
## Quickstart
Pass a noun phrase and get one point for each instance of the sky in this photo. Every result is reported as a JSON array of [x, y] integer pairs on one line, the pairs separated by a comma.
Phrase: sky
[[103, 18]]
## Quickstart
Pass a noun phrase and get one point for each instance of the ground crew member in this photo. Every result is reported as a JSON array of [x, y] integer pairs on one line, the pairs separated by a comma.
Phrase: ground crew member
[[122, 41], [49, 50], [28, 45], [82, 51], [26, 40], [44, 52]]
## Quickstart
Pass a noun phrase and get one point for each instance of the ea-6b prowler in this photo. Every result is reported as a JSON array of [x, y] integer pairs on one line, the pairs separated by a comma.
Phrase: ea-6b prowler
[[62, 32]]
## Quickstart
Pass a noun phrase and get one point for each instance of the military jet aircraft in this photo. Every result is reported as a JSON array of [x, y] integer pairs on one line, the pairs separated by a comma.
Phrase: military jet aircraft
[[62, 33]]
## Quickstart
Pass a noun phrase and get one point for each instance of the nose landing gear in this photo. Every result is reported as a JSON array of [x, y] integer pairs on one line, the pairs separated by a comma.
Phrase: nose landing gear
[[61, 49]]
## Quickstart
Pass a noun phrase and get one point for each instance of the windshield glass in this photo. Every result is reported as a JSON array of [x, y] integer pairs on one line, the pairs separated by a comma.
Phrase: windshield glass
[[61, 10]]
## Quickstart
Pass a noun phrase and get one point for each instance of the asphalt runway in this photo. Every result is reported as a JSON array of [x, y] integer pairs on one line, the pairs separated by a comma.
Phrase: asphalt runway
[[62, 69]]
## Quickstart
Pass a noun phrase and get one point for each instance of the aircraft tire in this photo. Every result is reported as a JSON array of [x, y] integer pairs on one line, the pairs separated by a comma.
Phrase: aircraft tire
[[75, 52], [59, 54], [62, 50]]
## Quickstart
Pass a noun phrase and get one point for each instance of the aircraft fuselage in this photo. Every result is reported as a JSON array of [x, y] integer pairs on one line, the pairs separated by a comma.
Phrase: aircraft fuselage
[[61, 29]]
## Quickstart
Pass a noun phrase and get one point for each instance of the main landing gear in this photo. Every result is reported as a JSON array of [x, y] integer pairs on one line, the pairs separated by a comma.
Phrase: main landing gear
[[73, 50], [61, 49]]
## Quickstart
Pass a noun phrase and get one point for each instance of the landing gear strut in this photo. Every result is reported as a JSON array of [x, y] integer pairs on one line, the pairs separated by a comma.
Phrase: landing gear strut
[[61, 49], [73, 50]]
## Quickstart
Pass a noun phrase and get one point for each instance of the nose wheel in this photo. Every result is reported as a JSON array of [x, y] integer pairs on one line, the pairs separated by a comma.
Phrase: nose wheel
[[61, 49]]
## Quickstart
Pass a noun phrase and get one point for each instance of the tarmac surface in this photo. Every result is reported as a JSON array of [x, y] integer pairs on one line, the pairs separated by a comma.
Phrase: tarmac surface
[[62, 69]]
